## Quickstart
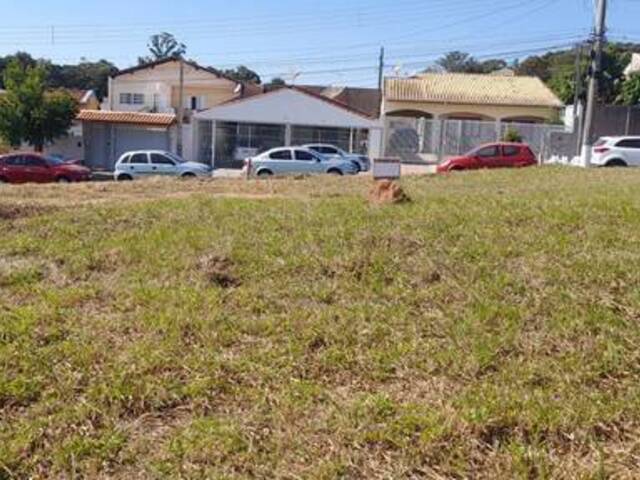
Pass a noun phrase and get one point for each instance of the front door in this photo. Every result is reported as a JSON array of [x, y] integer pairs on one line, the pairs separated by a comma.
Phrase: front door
[[306, 162], [489, 157], [162, 165]]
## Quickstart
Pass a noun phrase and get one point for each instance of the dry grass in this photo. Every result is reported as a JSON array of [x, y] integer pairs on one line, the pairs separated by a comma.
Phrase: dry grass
[[289, 329]]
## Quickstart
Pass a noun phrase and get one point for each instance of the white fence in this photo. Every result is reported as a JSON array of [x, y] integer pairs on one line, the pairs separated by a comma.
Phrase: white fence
[[424, 140]]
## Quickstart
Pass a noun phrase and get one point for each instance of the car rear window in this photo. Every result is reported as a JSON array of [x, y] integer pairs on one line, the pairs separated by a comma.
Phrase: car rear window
[[600, 142], [629, 143]]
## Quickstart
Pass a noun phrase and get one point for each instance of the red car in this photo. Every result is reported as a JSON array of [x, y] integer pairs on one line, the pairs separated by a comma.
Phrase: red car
[[493, 155], [31, 167]]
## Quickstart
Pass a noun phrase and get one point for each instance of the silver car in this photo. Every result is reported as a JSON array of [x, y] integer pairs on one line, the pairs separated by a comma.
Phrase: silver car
[[146, 163], [297, 160], [361, 161]]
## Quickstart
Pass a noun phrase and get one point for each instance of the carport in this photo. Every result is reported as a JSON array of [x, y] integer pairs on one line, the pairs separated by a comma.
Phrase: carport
[[227, 134], [109, 134]]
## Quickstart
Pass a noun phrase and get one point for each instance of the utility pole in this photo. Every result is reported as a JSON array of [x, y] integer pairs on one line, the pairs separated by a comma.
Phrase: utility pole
[[381, 68], [578, 113], [179, 147], [596, 55]]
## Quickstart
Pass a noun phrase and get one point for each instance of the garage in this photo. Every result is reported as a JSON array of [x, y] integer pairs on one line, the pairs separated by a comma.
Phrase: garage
[[107, 135], [231, 132]]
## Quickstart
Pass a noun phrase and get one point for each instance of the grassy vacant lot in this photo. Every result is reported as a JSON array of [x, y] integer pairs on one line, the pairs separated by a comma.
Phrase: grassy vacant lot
[[231, 329]]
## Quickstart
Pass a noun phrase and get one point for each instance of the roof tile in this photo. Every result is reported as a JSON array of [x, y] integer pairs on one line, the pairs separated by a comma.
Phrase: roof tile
[[135, 118], [471, 89]]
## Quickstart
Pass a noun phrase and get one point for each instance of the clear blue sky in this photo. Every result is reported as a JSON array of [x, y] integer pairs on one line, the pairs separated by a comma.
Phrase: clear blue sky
[[330, 41]]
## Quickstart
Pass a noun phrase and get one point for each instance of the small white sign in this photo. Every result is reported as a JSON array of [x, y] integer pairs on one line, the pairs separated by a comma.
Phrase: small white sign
[[386, 168], [245, 152]]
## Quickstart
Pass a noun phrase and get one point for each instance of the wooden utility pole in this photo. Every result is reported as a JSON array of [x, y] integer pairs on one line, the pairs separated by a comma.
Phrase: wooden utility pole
[[596, 66], [179, 146], [381, 69]]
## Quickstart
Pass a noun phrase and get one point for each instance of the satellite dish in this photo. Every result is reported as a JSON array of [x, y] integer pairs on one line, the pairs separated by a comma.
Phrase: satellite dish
[[238, 89]]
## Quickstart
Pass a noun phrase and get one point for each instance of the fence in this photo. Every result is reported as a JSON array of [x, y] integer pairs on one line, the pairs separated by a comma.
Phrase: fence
[[420, 140]]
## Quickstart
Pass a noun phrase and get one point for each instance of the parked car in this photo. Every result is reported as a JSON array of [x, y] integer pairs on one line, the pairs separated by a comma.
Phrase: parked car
[[297, 160], [616, 152], [36, 168], [361, 161], [146, 163], [493, 155]]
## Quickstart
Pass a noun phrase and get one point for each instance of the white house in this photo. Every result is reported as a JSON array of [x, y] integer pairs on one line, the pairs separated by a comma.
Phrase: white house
[[232, 131]]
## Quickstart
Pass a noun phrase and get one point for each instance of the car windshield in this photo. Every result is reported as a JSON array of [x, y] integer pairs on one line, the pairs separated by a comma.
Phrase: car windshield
[[174, 157]]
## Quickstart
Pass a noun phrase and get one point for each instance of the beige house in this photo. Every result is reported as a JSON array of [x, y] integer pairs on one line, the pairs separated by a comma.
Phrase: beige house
[[155, 87], [500, 98]]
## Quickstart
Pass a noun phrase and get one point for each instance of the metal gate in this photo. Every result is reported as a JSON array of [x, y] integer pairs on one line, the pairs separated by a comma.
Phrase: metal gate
[[420, 140]]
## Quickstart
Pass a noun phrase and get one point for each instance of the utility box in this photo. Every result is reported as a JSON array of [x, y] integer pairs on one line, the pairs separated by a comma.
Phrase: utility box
[[386, 168]]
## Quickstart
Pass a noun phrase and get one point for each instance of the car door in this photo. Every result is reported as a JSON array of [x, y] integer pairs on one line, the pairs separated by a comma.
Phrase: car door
[[37, 170], [307, 162], [511, 156], [162, 165], [280, 162], [139, 165], [630, 149], [489, 157]]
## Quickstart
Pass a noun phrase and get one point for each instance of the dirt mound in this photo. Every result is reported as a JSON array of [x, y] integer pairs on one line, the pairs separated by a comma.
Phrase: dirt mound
[[218, 270], [387, 192]]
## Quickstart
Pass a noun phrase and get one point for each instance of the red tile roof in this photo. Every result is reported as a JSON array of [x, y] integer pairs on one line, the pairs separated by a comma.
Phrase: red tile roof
[[133, 118]]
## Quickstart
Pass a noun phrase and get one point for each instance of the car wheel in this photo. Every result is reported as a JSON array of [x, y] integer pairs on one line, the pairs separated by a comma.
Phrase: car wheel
[[3, 182], [456, 169], [188, 176], [357, 166], [265, 173], [335, 171], [616, 162], [124, 178], [63, 180]]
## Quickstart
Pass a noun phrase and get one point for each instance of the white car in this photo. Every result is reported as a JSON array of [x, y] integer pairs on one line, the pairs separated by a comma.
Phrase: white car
[[616, 152], [296, 160], [361, 161], [146, 163]]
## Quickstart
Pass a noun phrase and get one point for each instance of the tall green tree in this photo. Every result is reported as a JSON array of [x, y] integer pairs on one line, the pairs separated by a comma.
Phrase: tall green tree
[[28, 112], [161, 46], [631, 90], [243, 74]]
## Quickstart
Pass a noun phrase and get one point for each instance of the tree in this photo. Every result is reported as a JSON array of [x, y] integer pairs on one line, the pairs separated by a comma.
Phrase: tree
[[512, 135], [163, 45], [631, 90], [83, 76], [243, 74], [458, 62], [28, 112], [277, 81]]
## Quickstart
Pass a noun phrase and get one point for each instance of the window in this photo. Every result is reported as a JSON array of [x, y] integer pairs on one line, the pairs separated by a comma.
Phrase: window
[[158, 159], [15, 161], [280, 155], [306, 156], [139, 158], [125, 160], [488, 152], [327, 150], [33, 161], [511, 150], [132, 98], [629, 143]]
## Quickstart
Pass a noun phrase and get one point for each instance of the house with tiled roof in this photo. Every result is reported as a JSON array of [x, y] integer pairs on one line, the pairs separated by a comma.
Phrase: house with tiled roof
[[140, 111], [471, 97]]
